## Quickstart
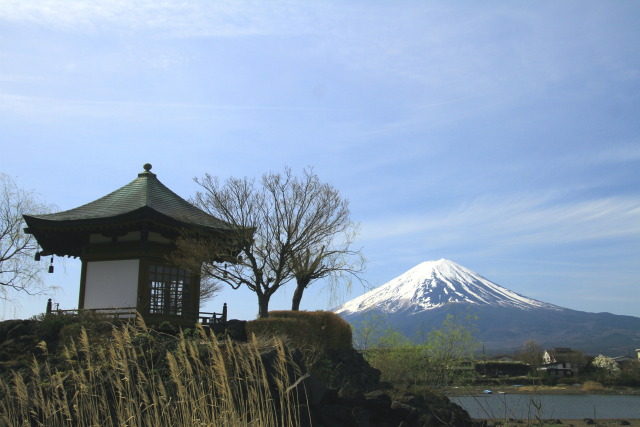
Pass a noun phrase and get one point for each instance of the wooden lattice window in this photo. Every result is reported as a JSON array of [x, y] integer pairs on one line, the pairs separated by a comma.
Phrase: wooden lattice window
[[169, 290]]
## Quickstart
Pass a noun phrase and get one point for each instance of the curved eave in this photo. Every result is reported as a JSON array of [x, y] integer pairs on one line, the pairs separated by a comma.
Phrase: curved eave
[[98, 223], [69, 237]]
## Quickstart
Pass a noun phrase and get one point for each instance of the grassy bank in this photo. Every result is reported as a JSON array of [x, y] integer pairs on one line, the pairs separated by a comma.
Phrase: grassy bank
[[134, 376], [74, 370]]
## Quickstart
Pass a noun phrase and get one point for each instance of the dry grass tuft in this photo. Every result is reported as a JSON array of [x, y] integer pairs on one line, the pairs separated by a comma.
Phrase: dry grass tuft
[[592, 386], [138, 378], [320, 330]]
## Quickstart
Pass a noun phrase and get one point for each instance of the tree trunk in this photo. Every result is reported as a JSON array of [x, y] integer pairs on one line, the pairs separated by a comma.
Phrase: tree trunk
[[263, 306], [301, 285], [297, 297]]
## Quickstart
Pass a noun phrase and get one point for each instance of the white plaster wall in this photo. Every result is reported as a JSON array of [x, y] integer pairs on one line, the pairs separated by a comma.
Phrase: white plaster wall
[[111, 284]]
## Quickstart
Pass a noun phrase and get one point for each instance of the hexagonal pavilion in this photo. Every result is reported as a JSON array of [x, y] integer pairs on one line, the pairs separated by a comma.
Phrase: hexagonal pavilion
[[123, 240]]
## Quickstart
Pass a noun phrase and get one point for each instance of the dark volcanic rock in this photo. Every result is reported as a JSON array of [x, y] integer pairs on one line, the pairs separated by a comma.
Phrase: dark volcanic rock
[[234, 329], [351, 372], [352, 407]]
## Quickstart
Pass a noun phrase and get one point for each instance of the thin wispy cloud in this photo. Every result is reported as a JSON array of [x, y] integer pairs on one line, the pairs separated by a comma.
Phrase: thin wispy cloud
[[502, 135], [179, 19], [620, 153], [24, 78], [519, 222], [79, 107]]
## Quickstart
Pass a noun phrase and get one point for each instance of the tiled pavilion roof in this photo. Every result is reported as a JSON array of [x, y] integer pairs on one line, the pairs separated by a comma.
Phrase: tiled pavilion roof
[[144, 198]]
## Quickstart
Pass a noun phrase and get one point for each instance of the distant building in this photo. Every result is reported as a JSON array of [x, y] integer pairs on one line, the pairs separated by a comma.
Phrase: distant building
[[623, 361], [563, 361], [504, 358]]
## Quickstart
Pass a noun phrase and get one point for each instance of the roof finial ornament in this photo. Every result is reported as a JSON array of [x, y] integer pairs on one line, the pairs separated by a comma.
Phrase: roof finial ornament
[[147, 171]]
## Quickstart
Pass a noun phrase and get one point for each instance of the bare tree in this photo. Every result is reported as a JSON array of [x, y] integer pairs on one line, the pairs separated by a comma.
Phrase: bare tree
[[249, 210], [18, 270], [321, 221], [339, 264], [282, 227], [208, 288], [531, 353]]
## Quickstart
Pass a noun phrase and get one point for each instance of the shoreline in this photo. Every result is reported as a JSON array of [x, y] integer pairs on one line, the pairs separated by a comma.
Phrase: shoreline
[[563, 422], [529, 389], [575, 389]]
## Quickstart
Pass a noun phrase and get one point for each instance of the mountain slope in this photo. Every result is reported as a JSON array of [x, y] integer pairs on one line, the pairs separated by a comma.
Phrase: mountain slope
[[421, 298], [433, 284]]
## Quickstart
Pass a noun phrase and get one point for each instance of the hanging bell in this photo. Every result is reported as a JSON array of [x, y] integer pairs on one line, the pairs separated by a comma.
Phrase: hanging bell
[[37, 257], [51, 266]]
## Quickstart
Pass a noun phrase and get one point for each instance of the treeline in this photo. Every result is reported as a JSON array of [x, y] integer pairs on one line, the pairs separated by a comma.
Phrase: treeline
[[437, 358], [450, 355]]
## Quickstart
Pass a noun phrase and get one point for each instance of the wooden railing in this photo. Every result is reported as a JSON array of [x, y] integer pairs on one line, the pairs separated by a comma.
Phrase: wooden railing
[[213, 318], [206, 318], [114, 312]]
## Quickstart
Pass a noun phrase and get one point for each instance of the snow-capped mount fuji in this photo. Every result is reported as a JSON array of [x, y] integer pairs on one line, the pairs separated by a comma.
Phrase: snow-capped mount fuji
[[433, 284], [420, 299]]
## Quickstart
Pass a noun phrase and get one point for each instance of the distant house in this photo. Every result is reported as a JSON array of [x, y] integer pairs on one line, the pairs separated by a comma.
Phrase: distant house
[[623, 361], [563, 362], [503, 358], [502, 368]]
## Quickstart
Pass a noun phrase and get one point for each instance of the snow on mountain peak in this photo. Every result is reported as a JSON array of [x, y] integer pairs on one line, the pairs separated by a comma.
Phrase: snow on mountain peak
[[432, 284]]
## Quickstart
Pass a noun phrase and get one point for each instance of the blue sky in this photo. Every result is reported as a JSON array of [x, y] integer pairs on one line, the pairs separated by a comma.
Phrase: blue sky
[[502, 135]]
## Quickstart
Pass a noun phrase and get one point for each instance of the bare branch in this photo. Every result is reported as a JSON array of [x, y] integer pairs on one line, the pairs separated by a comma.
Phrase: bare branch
[[18, 270], [300, 229]]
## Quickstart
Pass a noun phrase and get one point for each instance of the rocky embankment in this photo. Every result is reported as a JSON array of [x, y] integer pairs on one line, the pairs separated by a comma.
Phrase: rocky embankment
[[342, 389], [346, 391], [364, 401]]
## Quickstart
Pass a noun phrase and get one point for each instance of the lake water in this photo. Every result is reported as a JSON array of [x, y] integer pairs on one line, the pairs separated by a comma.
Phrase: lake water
[[527, 406]]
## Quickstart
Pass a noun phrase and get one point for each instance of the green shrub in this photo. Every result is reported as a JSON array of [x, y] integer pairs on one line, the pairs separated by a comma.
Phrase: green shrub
[[443, 358], [50, 325], [630, 375], [400, 364], [60, 329]]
